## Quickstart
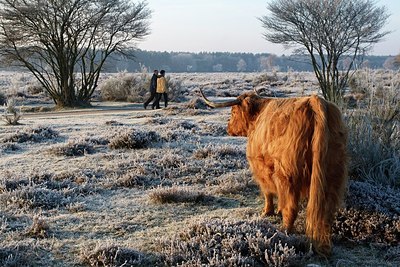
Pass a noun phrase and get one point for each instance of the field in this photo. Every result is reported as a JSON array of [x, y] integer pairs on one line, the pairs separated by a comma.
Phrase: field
[[117, 185]]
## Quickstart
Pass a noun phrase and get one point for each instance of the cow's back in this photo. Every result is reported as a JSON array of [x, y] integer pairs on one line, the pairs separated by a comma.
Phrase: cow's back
[[282, 139]]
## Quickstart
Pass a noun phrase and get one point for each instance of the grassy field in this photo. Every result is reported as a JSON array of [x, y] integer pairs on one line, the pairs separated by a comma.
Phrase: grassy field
[[135, 187]]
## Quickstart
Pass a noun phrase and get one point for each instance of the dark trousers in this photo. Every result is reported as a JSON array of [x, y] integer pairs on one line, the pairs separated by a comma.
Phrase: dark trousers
[[152, 96], [156, 103]]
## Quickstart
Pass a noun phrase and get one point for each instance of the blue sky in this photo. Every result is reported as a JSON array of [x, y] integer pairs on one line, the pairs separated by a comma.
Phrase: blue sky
[[231, 26]]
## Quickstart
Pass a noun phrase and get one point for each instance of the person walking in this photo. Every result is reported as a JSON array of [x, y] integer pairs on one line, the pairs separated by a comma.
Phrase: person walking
[[161, 90], [153, 88]]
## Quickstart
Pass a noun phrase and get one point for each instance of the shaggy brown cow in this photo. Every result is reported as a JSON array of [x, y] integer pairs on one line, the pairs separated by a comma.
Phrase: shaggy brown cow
[[296, 149]]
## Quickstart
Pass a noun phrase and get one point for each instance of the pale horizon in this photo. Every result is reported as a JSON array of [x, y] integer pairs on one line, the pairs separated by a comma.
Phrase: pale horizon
[[232, 26]]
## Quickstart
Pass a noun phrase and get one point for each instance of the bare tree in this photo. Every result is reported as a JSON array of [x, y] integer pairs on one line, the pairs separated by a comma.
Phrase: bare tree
[[65, 43], [328, 30]]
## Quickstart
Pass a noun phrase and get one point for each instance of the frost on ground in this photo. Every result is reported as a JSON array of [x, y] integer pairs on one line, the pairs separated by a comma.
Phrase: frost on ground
[[164, 188]]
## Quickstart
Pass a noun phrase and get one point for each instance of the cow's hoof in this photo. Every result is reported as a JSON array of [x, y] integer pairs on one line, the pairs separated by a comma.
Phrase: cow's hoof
[[266, 213]]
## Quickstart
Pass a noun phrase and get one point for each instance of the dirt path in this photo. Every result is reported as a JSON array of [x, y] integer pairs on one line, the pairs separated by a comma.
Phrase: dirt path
[[98, 110]]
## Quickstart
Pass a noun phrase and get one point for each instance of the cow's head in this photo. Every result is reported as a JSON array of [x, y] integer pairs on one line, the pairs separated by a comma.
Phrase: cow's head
[[245, 109]]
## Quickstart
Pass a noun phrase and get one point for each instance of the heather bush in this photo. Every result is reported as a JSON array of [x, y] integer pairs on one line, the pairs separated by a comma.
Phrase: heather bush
[[176, 194], [133, 139], [29, 134], [34, 196], [72, 149], [218, 242], [112, 256]]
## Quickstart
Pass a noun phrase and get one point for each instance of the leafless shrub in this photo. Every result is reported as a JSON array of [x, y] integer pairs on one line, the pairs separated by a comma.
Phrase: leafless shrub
[[112, 255], [176, 91], [35, 89], [11, 114], [37, 134], [72, 149], [266, 77], [232, 243], [374, 135], [125, 87], [38, 229], [176, 194], [133, 139]]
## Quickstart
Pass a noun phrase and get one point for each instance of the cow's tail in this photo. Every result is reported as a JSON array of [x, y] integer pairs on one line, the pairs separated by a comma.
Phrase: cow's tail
[[318, 227]]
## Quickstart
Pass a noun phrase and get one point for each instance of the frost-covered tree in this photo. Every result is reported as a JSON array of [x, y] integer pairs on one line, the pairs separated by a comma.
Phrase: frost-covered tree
[[327, 30], [65, 43]]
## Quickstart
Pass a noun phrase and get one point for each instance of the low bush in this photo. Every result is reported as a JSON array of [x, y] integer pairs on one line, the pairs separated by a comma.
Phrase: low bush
[[11, 114], [233, 243], [374, 134], [112, 255], [176, 194], [72, 149], [34, 196], [126, 87], [133, 139], [37, 134]]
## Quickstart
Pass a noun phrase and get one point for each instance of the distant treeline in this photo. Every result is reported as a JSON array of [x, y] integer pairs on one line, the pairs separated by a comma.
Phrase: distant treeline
[[134, 61]]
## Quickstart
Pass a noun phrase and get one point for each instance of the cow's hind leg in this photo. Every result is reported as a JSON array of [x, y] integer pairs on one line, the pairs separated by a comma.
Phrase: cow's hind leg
[[288, 204], [268, 209]]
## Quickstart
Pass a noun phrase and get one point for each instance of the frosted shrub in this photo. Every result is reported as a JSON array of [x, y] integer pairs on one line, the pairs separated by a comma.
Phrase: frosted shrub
[[232, 243], [112, 255], [374, 134], [72, 149], [176, 92], [36, 134], [133, 139], [176, 194], [11, 114], [125, 87]]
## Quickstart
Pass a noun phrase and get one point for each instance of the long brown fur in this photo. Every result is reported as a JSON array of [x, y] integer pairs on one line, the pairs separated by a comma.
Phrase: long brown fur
[[296, 149]]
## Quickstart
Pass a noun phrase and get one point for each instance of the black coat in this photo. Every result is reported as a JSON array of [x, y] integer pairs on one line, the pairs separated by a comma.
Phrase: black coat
[[153, 84]]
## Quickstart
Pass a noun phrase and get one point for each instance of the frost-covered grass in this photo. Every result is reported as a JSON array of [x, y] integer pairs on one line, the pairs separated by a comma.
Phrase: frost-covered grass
[[169, 187]]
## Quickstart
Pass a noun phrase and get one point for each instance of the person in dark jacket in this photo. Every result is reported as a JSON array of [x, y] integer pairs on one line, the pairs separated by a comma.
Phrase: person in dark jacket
[[153, 88]]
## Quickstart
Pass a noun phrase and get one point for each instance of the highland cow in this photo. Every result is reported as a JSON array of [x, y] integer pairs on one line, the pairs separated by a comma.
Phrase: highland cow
[[296, 150]]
